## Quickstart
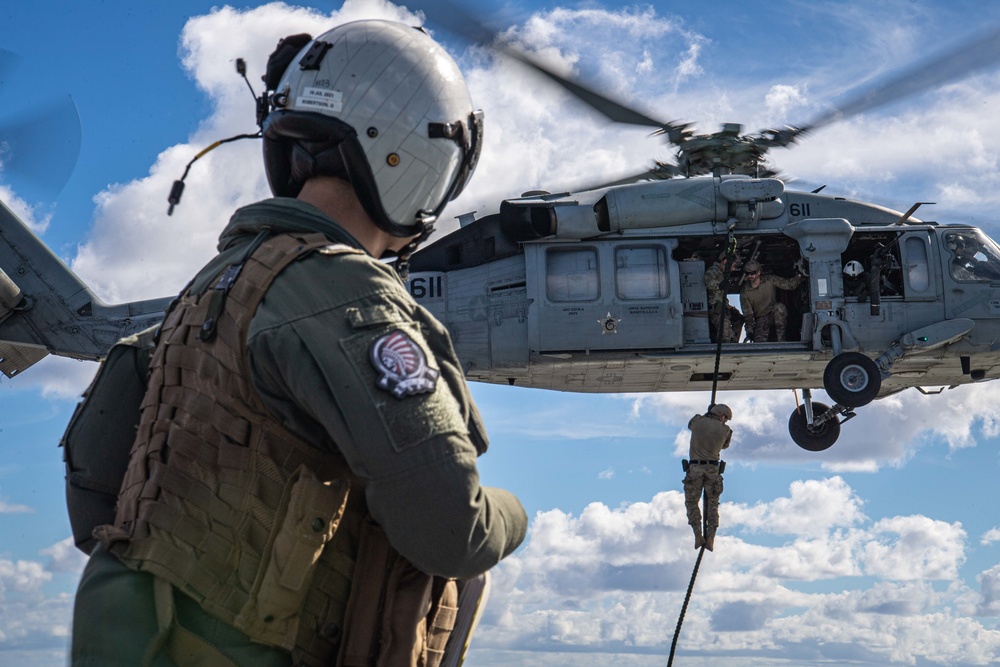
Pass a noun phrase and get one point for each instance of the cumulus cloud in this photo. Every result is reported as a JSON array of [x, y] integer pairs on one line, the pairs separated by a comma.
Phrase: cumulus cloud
[[612, 581], [878, 436], [11, 508], [31, 620], [64, 557], [33, 216], [990, 536], [989, 584], [915, 548]]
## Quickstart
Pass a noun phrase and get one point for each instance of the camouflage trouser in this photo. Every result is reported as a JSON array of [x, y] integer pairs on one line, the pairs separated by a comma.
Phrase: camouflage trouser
[[718, 310], [707, 477], [762, 325]]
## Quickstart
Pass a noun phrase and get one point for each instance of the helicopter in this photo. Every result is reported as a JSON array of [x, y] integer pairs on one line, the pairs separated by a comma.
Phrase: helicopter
[[602, 289]]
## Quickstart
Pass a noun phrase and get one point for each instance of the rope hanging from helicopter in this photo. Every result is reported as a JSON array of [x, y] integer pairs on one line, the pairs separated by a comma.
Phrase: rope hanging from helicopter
[[723, 312]]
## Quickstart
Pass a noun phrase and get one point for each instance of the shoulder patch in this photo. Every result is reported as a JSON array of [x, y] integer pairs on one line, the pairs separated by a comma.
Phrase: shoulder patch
[[402, 365]]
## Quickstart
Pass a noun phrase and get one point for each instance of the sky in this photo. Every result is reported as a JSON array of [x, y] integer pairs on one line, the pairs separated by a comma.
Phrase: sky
[[884, 549]]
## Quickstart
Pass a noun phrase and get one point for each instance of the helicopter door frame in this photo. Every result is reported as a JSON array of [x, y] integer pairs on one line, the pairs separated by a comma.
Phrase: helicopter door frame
[[621, 294]]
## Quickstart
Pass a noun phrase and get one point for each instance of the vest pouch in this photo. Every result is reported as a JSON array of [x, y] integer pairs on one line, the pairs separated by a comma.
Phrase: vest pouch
[[311, 512], [396, 615], [99, 437]]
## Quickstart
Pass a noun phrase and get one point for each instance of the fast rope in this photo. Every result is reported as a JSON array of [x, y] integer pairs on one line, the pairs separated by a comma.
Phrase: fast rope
[[687, 596], [723, 312]]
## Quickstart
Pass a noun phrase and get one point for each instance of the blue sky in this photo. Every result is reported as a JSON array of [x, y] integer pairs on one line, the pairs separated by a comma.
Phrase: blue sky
[[883, 550]]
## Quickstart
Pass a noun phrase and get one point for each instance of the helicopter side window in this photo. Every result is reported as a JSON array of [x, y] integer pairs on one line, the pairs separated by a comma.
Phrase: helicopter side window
[[917, 269], [571, 274], [641, 273]]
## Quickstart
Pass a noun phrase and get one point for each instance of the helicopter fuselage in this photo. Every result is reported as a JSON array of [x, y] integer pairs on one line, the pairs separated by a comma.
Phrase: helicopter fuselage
[[621, 305]]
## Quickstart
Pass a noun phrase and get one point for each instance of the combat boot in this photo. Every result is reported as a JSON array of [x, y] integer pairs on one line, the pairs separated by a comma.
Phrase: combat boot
[[709, 540], [699, 540]]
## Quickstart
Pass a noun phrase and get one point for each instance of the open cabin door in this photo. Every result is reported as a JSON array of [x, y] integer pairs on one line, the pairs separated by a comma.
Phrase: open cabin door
[[606, 295]]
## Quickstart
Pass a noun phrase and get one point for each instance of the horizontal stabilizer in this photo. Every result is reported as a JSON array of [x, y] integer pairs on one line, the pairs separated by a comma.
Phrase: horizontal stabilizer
[[15, 358]]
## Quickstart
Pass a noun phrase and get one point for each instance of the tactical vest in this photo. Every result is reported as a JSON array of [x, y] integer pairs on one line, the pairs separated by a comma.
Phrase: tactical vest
[[263, 530]]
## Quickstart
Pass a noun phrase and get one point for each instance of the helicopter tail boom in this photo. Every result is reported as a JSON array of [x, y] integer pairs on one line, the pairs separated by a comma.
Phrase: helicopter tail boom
[[47, 309]]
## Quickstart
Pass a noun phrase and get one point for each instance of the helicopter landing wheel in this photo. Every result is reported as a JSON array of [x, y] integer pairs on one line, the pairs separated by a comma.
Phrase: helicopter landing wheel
[[813, 438], [852, 379]]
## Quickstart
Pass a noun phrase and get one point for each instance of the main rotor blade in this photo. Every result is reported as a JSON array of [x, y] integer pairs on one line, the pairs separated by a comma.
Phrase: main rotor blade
[[955, 63], [456, 20], [41, 145]]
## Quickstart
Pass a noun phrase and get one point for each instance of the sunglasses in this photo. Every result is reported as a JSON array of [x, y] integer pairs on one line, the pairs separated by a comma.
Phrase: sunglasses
[[753, 273]]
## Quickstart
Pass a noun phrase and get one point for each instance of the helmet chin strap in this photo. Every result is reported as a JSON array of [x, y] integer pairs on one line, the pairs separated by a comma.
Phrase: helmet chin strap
[[402, 263]]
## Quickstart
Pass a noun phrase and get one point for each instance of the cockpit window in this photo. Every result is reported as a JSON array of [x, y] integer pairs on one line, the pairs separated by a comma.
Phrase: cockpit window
[[973, 256]]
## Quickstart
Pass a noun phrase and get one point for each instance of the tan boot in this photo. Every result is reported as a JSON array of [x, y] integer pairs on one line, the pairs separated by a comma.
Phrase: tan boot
[[699, 540], [710, 538]]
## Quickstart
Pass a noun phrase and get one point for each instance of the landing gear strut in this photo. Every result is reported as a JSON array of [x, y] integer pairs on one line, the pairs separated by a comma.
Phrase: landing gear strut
[[816, 426]]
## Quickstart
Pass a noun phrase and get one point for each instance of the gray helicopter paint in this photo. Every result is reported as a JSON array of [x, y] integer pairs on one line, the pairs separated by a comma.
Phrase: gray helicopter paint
[[661, 343]]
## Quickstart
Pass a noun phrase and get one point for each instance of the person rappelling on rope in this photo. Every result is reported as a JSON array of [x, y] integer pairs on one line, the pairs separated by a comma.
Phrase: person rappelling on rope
[[709, 436]]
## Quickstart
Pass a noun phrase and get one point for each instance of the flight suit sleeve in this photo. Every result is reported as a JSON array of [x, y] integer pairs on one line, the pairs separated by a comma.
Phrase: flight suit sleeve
[[364, 370]]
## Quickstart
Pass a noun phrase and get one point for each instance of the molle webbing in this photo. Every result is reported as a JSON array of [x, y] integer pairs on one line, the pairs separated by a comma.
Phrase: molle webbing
[[223, 502]]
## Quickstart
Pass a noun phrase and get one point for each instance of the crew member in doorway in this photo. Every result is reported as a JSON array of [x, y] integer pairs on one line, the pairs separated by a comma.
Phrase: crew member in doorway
[[718, 303], [709, 436], [760, 307], [856, 280]]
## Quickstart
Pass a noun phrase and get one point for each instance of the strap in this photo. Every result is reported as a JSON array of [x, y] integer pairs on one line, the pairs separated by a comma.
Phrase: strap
[[180, 644], [224, 283]]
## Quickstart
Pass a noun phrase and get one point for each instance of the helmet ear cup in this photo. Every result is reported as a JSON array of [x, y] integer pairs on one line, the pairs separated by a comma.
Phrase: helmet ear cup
[[312, 158]]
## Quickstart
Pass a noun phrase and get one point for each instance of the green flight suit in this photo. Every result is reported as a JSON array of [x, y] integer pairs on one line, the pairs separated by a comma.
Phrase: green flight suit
[[308, 347]]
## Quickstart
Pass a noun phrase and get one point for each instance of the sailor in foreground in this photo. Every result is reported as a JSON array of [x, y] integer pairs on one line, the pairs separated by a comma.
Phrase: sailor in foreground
[[303, 486], [709, 436]]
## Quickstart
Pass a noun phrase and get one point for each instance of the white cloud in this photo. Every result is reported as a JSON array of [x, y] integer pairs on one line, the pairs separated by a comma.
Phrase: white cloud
[[915, 547], [886, 432], [990, 536], [989, 584], [65, 557], [608, 473], [31, 621], [612, 580], [814, 507], [9, 508], [22, 577], [32, 216]]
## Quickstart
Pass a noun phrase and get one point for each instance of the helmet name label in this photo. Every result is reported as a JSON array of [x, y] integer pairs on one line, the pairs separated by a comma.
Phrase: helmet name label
[[321, 98]]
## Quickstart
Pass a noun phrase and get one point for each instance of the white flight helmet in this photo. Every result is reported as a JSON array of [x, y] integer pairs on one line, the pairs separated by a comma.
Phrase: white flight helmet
[[383, 106], [853, 269]]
